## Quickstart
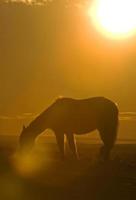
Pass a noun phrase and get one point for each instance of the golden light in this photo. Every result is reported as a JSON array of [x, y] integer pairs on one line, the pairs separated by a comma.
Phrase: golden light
[[26, 165], [116, 19], [29, 163]]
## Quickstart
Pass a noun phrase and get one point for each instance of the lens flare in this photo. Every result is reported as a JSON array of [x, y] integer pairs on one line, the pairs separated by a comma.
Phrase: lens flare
[[28, 163]]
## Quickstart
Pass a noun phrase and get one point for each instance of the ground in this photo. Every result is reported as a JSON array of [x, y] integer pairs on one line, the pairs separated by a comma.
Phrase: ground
[[54, 179]]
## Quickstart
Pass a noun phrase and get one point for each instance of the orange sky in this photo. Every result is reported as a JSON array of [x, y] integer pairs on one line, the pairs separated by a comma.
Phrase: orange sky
[[53, 50]]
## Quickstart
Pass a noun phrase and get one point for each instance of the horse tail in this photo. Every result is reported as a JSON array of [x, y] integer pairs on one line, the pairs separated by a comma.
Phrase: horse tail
[[109, 126], [108, 131], [113, 124]]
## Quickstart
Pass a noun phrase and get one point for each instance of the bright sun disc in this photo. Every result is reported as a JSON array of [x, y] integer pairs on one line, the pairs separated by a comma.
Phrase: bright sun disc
[[114, 18]]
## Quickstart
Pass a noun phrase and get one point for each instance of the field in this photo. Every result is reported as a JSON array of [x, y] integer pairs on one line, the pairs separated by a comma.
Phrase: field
[[46, 177]]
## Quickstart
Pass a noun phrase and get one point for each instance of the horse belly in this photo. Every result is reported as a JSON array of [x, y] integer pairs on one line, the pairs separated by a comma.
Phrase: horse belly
[[84, 128], [80, 125]]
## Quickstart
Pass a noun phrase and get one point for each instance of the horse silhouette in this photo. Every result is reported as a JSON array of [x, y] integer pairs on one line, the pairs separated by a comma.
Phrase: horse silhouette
[[67, 116]]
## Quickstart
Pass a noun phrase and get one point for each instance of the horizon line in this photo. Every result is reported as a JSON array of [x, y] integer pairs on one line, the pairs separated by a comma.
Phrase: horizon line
[[123, 116]]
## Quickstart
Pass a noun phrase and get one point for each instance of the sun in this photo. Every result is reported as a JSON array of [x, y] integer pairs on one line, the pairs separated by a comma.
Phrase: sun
[[116, 19]]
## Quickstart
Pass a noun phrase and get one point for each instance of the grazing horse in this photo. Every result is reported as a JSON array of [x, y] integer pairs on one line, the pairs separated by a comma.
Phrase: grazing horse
[[67, 116]]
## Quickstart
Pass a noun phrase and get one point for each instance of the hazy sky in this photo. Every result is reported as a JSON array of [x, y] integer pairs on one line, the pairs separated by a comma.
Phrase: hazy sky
[[52, 50]]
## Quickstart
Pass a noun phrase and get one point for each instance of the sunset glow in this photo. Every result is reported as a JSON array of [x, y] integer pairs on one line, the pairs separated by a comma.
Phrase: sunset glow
[[116, 19]]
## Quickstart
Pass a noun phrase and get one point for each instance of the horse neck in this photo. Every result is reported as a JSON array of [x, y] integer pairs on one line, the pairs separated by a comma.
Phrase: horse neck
[[40, 123], [38, 126]]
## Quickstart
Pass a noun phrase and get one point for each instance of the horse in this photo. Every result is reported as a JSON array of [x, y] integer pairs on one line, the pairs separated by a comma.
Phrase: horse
[[67, 117]]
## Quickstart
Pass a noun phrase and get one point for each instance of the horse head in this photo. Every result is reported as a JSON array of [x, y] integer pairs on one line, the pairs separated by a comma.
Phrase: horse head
[[26, 139]]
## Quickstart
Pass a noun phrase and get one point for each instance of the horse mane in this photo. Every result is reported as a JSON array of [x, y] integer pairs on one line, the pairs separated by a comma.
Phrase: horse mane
[[45, 112]]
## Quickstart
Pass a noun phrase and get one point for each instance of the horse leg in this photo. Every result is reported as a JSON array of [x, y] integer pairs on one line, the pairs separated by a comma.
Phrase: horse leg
[[105, 152], [72, 144], [60, 142], [108, 141]]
